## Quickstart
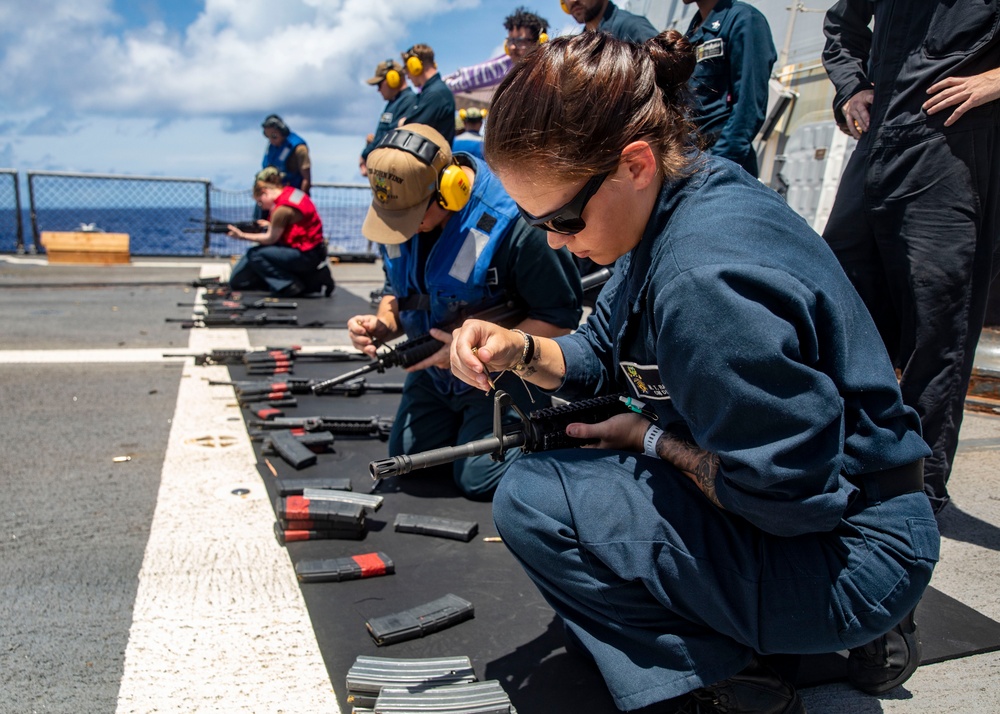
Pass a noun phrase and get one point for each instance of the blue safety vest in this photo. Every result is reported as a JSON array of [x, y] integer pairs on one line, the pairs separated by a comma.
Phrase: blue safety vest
[[276, 156], [457, 274], [469, 142]]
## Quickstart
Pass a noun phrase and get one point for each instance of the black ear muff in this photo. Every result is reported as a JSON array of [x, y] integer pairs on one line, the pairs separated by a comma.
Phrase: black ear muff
[[414, 66], [454, 188], [273, 121]]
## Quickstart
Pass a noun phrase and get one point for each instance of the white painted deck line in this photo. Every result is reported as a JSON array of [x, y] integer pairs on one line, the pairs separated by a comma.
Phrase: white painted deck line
[[219, 622]]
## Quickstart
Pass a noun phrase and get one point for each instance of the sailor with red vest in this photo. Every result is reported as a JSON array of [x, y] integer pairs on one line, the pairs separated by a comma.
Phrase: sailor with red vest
[[290, 258]]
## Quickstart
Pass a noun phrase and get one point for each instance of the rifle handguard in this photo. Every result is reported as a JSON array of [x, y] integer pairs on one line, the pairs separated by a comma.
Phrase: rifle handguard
[[405, 355], [543, 430]]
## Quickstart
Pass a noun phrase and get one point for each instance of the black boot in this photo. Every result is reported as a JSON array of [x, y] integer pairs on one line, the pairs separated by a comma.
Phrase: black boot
[[757, 689], [887, 661], [321, 282]]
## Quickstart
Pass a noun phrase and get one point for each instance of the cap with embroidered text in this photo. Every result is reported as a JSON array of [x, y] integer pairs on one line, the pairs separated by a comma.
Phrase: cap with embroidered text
[[403, 183]]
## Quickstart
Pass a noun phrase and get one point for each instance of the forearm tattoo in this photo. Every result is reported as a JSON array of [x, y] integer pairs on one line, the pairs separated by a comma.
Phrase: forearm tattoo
[[700, 465], [531, 367]]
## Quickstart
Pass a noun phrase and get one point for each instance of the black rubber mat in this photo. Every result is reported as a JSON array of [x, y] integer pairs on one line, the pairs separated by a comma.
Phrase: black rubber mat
[[514, 637]]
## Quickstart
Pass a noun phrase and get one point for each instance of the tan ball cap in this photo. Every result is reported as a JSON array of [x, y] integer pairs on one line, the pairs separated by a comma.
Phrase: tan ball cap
[[403, 173]]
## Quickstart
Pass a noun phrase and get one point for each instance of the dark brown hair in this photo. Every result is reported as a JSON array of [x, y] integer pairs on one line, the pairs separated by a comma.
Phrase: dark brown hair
[[533, 23], [572, 106]]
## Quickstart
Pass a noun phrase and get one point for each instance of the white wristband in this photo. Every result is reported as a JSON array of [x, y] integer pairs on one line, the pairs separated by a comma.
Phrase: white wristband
[[653, 434]]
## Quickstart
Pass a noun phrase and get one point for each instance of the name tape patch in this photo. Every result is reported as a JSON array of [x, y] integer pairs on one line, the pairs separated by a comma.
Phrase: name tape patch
[[645, 380], [710, 50]]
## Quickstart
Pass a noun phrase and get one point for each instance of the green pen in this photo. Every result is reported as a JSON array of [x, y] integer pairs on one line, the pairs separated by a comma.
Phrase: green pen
[[639, 408]]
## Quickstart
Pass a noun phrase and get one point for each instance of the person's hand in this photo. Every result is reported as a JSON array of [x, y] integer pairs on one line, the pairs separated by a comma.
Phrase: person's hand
[[963, 93], [479, 347], [441, 358], [623, 432], [234, 232], [364, 330], [363, 168], [857, 112]]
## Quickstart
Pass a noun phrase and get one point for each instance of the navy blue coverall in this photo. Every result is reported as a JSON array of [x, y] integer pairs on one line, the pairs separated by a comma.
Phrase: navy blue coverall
[[735, 54], [435, 107], [916, 220], [745, 334], [394, 110], [626, 25]]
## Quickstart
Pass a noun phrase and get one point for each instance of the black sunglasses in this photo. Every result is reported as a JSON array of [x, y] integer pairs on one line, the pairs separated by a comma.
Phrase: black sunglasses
[[568, 219]]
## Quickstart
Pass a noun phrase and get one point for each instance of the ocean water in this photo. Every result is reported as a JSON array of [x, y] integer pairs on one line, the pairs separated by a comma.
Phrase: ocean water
[[173, 231]]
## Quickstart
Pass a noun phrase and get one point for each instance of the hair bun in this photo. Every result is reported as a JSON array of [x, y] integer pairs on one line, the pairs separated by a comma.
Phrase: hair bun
[[269, 174], [673, 58]]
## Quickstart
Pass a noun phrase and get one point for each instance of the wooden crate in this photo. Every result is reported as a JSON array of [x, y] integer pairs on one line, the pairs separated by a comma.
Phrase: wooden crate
[[86, 247]]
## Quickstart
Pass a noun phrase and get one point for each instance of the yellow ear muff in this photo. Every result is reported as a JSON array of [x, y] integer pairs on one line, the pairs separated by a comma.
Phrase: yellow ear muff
[[393, 79], [414, 66], [562, 4], [462, 114], [506, 48], [543, 38], [454, 188]]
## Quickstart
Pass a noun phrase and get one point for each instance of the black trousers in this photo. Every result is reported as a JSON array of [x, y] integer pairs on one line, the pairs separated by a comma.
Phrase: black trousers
[[915, 226]]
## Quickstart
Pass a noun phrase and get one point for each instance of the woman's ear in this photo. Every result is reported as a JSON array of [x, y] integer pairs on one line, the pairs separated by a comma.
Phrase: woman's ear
[[641, 164]]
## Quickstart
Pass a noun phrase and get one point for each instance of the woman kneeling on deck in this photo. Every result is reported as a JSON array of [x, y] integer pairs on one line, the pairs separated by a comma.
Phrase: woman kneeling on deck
[[290, 257], [774, 503]]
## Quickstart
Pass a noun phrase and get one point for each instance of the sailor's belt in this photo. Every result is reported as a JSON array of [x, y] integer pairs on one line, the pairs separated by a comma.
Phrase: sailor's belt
[[897, 481]]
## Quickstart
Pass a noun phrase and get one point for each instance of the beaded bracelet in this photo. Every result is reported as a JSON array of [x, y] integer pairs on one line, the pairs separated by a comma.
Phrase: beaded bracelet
[[527, 353]]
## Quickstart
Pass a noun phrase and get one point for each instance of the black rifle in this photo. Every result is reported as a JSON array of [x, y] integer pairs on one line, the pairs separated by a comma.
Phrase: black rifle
[[542, 430], [339, 426], [292, 385], [357, 387], [262, 319], [217, 226], [228, 305], [410, 352], [235, 356]]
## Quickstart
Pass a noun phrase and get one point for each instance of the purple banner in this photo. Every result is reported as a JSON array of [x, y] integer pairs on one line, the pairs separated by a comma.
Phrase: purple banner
[[479, 76]]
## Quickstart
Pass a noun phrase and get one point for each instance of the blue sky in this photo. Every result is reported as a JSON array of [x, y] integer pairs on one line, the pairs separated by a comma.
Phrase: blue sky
[[179, 87]]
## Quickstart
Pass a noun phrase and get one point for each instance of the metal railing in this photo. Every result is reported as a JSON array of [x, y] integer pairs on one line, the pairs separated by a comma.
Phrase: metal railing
[[11, 220], [165, 215]]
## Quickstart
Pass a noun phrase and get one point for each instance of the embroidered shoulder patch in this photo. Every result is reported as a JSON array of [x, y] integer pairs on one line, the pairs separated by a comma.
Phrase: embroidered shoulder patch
[[645, 380]]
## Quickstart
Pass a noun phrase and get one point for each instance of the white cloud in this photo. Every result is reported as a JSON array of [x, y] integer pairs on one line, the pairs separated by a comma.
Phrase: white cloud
[[240, 59]]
